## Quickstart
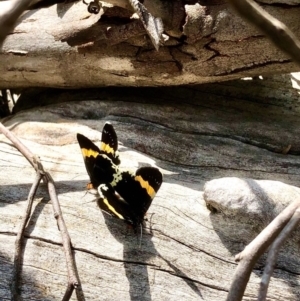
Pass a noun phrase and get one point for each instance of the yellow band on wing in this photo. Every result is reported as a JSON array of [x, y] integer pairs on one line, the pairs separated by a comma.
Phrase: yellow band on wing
[[89, 153], [106, 148], [145, 184], [112, 209]]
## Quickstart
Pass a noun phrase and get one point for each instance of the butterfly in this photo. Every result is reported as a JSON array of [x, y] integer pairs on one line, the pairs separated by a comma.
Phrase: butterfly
[[100, 163], [130, 196], [124, 194]]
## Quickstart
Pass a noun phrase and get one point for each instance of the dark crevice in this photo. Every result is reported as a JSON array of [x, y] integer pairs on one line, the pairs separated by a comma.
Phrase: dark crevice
[[192, 280], [209, 48], [177, 63], [207, 167], [193, 247], [241, 139], [258, 36], [78, 249], [253, 66], [232, 97], [47, 3], [154, 267], [260, 267], [278, 4], [188, 54], [114, 20], [8, 233], [113, 259], [4, 107], [284, 269]]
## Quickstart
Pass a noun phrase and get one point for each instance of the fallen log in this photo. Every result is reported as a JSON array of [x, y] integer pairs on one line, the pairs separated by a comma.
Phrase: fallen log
[[65, 46]]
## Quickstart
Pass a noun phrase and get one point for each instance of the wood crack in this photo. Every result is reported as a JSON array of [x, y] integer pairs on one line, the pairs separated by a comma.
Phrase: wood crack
[[193, 280], [193, 248], [278, 4], [269, 147], [37, 238], [286, 270], [254, 66], [227, 168]]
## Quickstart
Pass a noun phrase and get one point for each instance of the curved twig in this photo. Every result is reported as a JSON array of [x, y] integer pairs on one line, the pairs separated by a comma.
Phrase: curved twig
[[273, 253], [19, 145], [73, 278], [68, 292], [249, 256], [19, 239], [10, 12], [279, 34]]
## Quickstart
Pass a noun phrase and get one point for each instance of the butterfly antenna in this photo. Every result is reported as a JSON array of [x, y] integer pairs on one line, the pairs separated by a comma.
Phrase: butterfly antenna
[[88, 202]]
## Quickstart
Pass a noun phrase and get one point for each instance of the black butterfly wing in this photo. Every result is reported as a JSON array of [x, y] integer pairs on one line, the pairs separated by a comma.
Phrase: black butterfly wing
[[104, 171], [100, 162], [128, 195], [109, 143], [150, 179], [151, 175], [113, 204], [139, 189], [89, 152]]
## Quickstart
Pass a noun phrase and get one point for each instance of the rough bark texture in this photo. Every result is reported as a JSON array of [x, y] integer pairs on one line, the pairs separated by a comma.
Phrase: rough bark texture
[[65, 46], [193, 134]]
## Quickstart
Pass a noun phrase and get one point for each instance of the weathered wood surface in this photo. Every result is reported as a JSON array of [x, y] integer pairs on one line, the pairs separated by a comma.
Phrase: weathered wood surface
[[193, 134], [65, 46]]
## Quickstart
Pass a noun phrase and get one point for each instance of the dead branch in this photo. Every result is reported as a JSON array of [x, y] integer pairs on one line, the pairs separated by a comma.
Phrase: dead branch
[[9, 13], [19, 238], [285, 40], [153, 26], [73, 278], [88, 33], [279, 34], [249, 256], [273, 253], [19, 145], [71, 265]]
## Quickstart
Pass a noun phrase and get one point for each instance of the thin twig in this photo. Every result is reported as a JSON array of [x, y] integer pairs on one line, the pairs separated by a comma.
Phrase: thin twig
[[273, 254], [19, 239], [19, 145], [68, 292], [249, 256], [71, 264], [279, 34], [10, 12], [72, 275]]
